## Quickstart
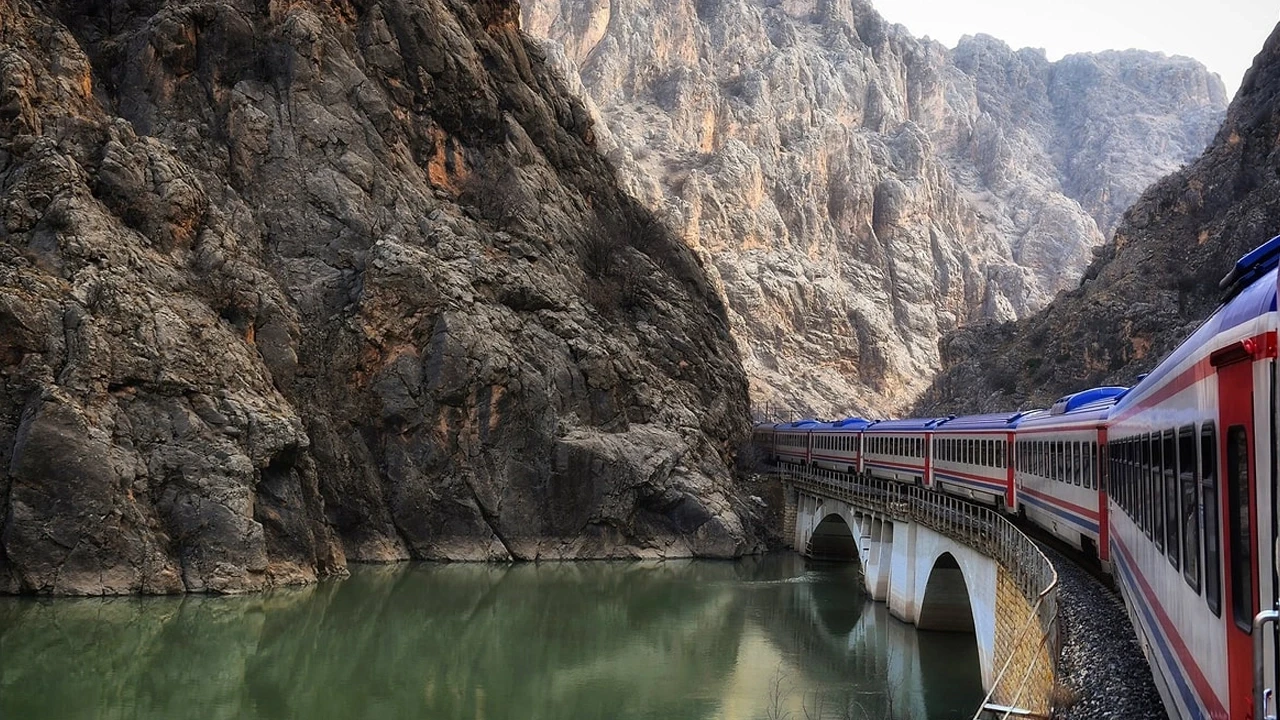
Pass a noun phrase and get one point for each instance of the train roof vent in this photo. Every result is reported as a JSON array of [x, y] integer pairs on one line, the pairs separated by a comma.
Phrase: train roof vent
[[1068, 403], [849, 421], [1251, 266], [801, 423]]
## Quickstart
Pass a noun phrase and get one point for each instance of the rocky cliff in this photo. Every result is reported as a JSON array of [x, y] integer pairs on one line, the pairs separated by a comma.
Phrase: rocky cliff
[[1151, 285], [287, 285], [859, 192]]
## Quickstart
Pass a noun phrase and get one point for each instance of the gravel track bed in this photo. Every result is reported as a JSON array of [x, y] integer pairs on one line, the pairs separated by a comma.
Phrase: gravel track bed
[[1101, 668]]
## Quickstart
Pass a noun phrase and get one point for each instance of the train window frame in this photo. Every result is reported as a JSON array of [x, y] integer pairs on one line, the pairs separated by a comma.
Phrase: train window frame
[[1086, 465], [1117, 480], [1188, 487], [1210, 519], [1144, 484], [1000, 448], [1240, 527], [1172, 504], [1077, 464], [1157, 491]]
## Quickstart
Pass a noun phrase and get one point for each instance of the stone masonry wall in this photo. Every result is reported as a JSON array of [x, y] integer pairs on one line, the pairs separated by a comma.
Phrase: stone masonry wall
[[1018, 633]]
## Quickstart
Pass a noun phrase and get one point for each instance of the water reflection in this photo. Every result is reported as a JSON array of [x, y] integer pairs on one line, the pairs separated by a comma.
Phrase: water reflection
[[670, 640]]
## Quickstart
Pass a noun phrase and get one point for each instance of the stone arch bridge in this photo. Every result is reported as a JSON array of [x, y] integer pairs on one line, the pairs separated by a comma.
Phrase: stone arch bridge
[[941, 564]]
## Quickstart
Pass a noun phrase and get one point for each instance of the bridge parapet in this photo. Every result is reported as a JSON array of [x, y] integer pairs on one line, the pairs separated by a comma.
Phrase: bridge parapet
[[1026, 624]]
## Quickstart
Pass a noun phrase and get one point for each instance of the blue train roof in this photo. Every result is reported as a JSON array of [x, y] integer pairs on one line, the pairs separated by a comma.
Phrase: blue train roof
[[798, 425], [1080, 400], [905, 425], [1251, 266], [849, 423], [987, 421], [1094, 411]]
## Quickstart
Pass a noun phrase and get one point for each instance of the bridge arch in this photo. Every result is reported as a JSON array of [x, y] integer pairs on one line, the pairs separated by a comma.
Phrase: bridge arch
[[833, 539], [956, 591], [946, 604]]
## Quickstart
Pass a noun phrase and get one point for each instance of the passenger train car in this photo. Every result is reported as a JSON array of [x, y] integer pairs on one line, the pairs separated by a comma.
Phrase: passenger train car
[[1059, 479], [971, 457], [1172, 483]]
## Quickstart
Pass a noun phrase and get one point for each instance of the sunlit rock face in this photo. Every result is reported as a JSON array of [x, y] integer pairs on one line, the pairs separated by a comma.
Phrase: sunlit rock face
[[859, 192], [284, 285], [1150, 286]]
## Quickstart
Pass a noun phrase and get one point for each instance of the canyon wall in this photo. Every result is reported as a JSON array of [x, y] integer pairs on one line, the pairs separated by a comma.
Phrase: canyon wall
[[1150, 286], [858, 192], [287, 285]]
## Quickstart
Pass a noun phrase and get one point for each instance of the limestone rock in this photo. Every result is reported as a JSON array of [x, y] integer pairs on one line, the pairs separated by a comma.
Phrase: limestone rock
[[858, 192], [1150, 286]]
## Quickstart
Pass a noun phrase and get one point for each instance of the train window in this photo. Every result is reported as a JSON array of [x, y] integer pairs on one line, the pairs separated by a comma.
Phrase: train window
[[1117, 477], [1130, 493], [1144, 484], [1086, 466], [1077, 467], [1000, 445], [1209, 517], [1060, 468], [1117, 472], [1157, 493], [1190, 518], [1131, 479], [1111, 471], [1173, 522], [1240, 526]]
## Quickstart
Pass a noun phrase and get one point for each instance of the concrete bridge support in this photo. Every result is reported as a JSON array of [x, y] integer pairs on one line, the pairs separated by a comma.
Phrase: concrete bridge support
[[924, 577]]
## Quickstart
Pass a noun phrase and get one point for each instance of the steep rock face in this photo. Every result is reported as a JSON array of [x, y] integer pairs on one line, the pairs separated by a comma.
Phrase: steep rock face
[[286, 285], [1150, 286], [860, 192]]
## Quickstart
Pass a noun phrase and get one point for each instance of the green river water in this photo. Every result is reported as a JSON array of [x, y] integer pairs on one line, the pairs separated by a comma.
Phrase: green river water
[[761, 638]]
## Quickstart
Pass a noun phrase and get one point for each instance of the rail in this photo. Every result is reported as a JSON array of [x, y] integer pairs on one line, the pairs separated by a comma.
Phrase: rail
[[979, 527]]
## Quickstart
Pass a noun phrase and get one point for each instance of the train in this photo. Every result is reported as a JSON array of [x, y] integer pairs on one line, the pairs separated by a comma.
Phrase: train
[[1170, 484]]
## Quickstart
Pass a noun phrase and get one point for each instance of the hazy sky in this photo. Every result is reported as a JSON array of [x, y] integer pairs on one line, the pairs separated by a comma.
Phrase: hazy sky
[[1222, 34]]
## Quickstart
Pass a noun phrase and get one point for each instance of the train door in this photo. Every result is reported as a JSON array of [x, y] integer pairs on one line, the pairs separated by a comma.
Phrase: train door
[[1011, 468], [1102, 479], [927, 452], [1238, 522]]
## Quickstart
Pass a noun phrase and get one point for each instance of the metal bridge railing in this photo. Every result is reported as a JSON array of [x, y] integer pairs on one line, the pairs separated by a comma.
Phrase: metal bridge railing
[[977, 526]]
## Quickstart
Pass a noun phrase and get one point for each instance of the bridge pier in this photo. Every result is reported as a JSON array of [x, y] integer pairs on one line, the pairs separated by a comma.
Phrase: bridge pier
[[876, 566], [934, 581]]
